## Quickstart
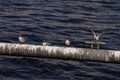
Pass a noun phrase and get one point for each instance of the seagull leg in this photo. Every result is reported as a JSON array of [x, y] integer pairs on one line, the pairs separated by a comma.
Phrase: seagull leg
[[98, 46], [91, 46]]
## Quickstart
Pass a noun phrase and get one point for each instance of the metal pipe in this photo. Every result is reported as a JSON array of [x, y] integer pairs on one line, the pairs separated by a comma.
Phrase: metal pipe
[[59, 52]]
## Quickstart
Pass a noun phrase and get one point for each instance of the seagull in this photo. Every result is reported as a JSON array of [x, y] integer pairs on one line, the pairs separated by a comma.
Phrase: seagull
[[46, 43], [97, 37], [67, 42], [21, 39]]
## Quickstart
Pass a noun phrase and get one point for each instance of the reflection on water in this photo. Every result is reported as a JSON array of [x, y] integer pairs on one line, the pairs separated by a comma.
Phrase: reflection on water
[[55, 21]]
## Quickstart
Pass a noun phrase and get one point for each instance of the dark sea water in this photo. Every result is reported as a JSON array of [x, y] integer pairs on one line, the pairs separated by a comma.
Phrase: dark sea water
[[55, 21]]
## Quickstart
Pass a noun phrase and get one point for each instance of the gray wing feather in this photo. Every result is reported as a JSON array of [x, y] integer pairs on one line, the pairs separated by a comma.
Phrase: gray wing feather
[[92, 32]]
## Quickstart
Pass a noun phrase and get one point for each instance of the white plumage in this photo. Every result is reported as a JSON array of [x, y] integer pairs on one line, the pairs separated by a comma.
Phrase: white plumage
[[21, 39], [67, 42], [97, 37], [46, 43]]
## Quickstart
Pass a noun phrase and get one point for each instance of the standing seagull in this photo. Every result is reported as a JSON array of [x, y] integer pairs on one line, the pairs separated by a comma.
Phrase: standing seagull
[[97, 37], [67, 42], [46, 43], [21, 39]]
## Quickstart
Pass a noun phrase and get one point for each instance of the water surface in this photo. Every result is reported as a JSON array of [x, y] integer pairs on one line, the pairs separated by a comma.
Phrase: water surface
[[55, 21]]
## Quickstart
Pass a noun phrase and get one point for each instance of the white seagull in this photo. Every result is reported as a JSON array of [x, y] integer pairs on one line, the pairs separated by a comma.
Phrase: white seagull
[[21, 39], [67, 42], [97, 37], [46, 43]]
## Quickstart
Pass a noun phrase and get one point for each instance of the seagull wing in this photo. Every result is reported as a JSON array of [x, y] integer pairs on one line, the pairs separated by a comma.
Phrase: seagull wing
[[21, 39], [103, 33], [94, 34]]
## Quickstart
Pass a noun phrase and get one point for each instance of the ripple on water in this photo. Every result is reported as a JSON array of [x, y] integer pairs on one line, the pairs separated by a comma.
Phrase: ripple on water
[[55, 21]]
